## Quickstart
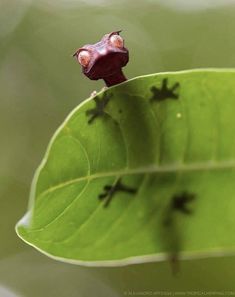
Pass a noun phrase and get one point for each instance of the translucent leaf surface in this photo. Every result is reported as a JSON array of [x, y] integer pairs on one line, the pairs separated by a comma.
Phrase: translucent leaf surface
[[152, 174]]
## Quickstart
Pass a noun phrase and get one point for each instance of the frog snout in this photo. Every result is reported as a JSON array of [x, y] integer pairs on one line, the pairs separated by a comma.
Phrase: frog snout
[[102, 51]]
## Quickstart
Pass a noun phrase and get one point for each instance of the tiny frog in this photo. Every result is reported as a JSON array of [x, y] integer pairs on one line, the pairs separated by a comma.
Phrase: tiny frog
[[104, 59]]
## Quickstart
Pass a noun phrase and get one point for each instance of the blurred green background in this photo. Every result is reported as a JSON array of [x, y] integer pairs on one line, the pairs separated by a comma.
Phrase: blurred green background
[[40, 84]]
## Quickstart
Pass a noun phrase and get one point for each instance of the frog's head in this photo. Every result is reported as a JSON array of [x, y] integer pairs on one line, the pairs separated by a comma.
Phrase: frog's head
[[104, 58]]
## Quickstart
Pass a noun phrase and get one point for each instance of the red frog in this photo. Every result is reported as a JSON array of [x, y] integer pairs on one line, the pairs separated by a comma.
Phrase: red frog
[[104, 59]]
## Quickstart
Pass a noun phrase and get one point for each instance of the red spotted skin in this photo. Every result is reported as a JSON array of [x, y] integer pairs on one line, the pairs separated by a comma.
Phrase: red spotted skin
[[106, 61]]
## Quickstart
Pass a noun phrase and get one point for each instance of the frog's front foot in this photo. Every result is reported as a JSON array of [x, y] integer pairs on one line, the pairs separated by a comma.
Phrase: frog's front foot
[[104, 89], [93, 94], [160, 94], [99, 108], [109, 191], [180, 202]]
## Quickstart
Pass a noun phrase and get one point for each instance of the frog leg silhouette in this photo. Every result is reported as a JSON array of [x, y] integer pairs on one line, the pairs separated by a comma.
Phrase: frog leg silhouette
[[109, 191]]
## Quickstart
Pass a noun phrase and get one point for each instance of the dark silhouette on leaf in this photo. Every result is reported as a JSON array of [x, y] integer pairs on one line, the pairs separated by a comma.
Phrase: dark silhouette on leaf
[[160, 94], [100, 106], [178, 203], [109, 191]]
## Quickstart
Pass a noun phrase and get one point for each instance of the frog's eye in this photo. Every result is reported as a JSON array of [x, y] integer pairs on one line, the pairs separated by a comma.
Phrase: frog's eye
[[84, 58], [117, 41]]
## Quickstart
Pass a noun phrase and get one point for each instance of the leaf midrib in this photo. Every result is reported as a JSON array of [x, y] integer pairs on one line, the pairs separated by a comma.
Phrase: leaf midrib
[[211, 165]]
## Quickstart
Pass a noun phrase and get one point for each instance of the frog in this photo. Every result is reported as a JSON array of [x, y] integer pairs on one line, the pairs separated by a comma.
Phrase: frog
[[104, 59]]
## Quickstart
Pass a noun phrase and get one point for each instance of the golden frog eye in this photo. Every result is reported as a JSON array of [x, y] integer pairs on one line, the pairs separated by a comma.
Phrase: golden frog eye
[[117, 41], [84, 58]]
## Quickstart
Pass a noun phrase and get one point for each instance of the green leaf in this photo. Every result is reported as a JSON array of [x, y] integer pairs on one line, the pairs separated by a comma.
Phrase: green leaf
[[169, 140]]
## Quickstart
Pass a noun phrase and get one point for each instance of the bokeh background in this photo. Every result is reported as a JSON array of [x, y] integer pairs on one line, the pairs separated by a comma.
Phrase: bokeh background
[[40, 84]]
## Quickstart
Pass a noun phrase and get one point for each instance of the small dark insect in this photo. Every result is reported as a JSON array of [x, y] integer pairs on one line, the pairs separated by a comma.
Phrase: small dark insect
[[100, 106], [164, 92], [109, 191]]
